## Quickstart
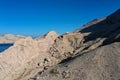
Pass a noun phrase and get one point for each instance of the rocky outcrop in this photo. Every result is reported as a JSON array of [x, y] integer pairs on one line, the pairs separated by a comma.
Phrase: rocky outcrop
[[97, 33], [100, 64], [21, 56], [17, 55], [9, 38], [66, 45]]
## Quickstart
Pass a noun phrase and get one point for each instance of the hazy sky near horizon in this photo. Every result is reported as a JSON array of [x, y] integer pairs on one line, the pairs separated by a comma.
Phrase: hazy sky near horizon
[[36, 17]]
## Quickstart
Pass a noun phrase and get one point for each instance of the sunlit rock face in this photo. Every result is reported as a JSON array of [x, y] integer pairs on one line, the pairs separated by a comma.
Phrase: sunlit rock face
[[22, 53]]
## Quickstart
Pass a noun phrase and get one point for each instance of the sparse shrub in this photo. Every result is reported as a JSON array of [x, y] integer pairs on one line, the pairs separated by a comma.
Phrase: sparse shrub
[[54, 72]]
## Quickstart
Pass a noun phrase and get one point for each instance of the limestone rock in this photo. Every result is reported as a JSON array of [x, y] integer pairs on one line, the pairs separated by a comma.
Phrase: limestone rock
[[100, 64], [65, 45]]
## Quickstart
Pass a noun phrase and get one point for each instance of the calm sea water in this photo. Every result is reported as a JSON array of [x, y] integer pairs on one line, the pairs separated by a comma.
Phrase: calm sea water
[[3, 47]]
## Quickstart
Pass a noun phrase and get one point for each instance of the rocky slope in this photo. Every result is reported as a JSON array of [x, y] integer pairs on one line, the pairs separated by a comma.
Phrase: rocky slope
[[89, 53], [102, 63], [20, 57]]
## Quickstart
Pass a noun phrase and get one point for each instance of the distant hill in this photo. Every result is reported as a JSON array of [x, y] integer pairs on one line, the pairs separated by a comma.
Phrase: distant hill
[[10, 38]]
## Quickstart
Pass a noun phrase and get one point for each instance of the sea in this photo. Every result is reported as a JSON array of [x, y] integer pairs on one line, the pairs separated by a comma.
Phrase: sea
[[3, 47]]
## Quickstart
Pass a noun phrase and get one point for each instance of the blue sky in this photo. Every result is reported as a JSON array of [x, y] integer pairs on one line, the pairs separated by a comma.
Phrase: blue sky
[[36, 17]]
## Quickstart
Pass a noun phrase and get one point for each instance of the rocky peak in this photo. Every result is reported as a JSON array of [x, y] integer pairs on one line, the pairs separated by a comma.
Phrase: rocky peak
[[51, 35]]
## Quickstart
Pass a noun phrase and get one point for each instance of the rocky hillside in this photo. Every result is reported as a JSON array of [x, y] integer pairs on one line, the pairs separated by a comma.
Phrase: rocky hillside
[[102, 63], [89, 53], [20, 57]]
